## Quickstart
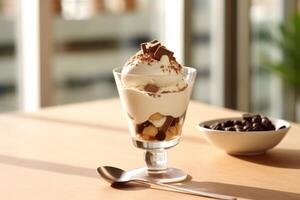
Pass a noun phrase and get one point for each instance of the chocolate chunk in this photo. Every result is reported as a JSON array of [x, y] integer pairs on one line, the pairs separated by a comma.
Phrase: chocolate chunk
[[144, 48], [150, 47], [160, 136], [167, 124], [153, 41], [247, 127], [238, 127], [162, 51], [154, 47], [151, 88]]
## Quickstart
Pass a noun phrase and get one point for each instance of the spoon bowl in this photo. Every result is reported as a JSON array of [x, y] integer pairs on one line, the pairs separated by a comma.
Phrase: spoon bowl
[[119, 176], [112, 174]]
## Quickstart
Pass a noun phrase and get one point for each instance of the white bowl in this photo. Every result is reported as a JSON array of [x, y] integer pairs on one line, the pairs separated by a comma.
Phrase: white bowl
[[244, 143]]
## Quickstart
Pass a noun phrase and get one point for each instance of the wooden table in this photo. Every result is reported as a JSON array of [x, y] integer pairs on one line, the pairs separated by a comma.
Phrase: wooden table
[[53, 154]]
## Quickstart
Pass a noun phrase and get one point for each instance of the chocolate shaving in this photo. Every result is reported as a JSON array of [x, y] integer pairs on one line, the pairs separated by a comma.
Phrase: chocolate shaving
[[130, 116], [167, 124], [151, 88], [162, 51], [175, 121]]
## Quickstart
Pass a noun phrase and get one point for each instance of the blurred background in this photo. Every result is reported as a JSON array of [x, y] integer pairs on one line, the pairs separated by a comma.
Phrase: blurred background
[[56, 52]]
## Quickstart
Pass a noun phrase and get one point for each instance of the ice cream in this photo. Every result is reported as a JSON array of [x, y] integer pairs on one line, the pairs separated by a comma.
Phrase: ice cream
[[155, 93]]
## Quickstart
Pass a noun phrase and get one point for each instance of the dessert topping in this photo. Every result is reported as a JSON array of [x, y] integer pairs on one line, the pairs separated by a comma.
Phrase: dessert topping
[[156, 50], [151, 88]]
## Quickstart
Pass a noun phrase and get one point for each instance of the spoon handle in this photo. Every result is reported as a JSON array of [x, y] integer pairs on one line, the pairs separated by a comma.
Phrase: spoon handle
[[190, 191]]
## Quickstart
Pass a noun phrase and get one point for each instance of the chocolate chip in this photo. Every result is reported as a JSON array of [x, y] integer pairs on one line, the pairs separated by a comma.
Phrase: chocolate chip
[[230, 129], [237, 122], [228, 123], [167, 124], [271, 127], [249, 122], [255, 127], [256, 119], [151, 88], [247, 116], [214, 125], [162, 51], [265, 122], [160, 136], [246, 127], [219, 127], [206, 126]]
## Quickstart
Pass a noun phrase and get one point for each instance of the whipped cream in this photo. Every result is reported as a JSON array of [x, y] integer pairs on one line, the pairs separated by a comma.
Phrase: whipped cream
[[141, 106], [153, 81]]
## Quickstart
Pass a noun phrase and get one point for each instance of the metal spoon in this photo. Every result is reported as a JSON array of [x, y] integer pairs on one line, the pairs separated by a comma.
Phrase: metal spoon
[[116, 175]]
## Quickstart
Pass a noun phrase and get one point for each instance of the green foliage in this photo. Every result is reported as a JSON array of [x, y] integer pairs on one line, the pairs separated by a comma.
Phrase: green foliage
[[289, 43]]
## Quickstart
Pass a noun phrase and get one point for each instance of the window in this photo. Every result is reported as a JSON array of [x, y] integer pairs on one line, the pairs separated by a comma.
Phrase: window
[[8, 69], [266, 92], [200, 48], [91, 38]]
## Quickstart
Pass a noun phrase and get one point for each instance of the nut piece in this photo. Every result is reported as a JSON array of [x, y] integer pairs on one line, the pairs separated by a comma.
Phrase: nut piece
[[169, 135], [145, 137], [151, 88], [179, 129], [150, 131], [173, 130], [158, 123], [156, 116]]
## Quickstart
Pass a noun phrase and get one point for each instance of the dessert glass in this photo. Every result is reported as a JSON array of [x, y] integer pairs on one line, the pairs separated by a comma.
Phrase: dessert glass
[[155, 120]]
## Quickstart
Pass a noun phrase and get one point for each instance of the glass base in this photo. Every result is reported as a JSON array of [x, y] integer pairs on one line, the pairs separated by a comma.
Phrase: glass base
[[169, 175], [155, 145]]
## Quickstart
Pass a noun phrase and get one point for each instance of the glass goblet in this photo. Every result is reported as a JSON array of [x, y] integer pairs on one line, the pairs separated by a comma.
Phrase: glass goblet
[[155, 119]]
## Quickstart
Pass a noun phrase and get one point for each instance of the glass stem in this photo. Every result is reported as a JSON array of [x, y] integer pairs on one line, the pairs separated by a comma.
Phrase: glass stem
[[156, 160]]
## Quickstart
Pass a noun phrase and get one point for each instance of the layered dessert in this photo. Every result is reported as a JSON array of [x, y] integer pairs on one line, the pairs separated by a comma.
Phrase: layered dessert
[[155, 93]]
